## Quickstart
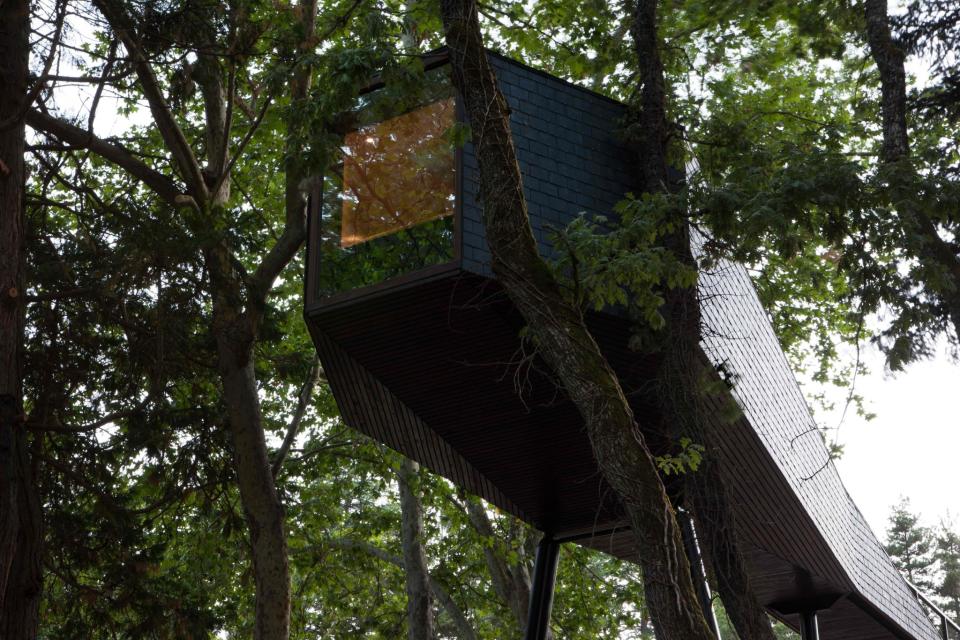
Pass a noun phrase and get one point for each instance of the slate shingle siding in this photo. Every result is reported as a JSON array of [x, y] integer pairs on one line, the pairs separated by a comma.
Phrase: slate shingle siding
[[740, 334], [570, 155], [573, 161]]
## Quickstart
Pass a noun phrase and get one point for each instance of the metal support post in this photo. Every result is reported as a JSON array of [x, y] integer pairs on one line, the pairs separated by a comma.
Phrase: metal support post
[[808, 626], [541, 593], [698, 571]]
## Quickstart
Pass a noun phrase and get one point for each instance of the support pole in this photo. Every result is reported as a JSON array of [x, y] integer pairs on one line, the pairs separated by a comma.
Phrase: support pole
[[541, 593], [698, 571], [808, 626]]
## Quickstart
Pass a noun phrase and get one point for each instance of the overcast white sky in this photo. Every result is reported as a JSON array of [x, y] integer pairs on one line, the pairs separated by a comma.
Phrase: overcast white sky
[[911, 448]]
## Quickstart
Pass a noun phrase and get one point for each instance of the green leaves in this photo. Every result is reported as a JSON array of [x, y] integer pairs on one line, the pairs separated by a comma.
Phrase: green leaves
[[622, 262], [686, 460]]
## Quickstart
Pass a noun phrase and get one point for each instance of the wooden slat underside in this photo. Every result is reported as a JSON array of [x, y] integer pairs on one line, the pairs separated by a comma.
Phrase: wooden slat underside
[[438, 372]]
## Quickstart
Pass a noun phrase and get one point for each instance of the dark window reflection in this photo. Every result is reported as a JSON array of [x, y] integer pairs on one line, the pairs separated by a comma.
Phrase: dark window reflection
[[388, 209]]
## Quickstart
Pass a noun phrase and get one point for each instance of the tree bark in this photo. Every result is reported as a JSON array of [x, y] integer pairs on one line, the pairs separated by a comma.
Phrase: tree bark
[[889, 58], [921, 232], [682, 374], [563, 340], [20, 518], [419, 605], [512, 582]]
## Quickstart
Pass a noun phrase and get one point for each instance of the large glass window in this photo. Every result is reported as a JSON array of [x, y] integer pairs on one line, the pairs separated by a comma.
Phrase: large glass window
[[388, 208]]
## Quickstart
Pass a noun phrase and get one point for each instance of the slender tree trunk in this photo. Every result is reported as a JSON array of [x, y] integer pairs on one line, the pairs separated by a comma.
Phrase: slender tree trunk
[[681, 377], [419, 600], [236, 325], [921, 232], [20, 533], [512, 582], [889, 58], [562, 338], [261, 503]]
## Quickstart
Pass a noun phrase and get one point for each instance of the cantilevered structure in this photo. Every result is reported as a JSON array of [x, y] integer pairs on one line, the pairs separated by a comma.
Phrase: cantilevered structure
[[422, 350]]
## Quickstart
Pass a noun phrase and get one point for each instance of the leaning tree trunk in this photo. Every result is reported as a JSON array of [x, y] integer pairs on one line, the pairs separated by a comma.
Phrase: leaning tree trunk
[[20, 534], [419, 600], [563, 340], [681, 376]]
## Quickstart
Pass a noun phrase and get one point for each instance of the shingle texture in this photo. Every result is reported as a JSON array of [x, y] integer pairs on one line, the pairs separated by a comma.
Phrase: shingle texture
[[740, 335], [570, 155]]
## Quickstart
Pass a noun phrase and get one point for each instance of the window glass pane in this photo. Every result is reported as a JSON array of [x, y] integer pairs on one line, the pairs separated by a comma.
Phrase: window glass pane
[[398, 173], [388, 208]]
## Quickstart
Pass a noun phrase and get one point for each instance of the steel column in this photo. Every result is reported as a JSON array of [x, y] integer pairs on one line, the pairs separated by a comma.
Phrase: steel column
[[808, 626], [541, 593], [698, 571]]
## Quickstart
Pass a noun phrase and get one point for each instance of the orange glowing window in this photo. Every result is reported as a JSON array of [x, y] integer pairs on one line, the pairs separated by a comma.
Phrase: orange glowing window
[[398, 173]]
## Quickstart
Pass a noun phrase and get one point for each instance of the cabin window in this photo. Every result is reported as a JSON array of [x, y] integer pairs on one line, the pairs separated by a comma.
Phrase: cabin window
[[389, 206]]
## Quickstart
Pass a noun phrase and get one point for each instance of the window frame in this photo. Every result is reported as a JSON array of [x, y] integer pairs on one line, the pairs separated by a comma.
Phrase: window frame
[[312, 297]]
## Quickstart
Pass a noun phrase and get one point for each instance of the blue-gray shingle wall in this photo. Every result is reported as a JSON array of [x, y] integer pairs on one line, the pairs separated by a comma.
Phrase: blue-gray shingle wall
[[570, 155], [740, 336]]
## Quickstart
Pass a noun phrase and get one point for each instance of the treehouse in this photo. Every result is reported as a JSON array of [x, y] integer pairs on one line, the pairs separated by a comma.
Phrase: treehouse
[[423, 352]]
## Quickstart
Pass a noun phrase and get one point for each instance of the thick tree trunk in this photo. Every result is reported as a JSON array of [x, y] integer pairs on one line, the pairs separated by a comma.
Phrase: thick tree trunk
[[20, 533], [419, 600], [681, 376], [562, 338], [20, 615], [921, 232]]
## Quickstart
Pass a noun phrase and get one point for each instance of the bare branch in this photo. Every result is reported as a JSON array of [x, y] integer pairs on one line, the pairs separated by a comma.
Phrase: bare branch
[[166, 124], [48, 64], [74, 135], [303, 400]]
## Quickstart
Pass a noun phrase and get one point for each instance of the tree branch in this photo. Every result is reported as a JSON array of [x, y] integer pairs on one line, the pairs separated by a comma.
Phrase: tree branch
[[74, 135], [306, 392], [169, 130]]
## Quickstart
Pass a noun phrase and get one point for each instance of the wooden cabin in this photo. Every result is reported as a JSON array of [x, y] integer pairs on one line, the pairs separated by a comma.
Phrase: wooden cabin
[[422, 350]]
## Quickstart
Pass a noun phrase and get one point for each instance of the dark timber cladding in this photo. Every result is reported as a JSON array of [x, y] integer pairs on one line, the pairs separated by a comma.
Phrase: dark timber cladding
[[431, 363]]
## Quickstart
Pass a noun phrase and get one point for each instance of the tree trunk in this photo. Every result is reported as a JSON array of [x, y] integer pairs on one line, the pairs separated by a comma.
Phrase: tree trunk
[[20, 533], [562, 338], [20, 615], [512, 582], [236, 325], [419, 601], [681, 376], [261, 503], [921, 232], [893, 81]]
